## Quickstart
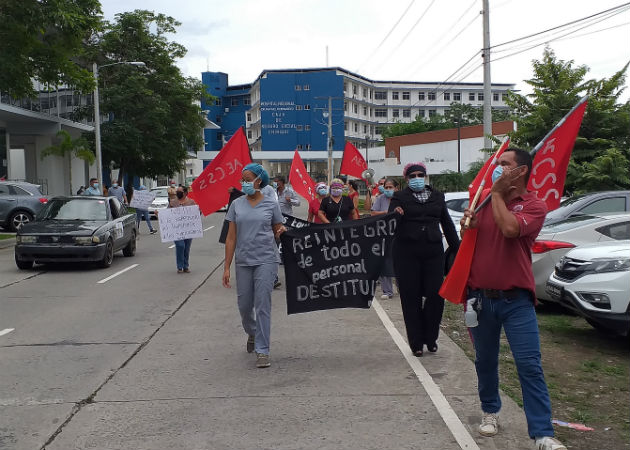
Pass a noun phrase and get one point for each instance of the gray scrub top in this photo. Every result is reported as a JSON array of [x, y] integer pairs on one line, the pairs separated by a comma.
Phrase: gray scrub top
[[255, 243]]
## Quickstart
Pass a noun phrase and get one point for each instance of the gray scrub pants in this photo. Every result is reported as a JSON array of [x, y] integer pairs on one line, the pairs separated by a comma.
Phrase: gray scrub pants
[[254, 285]]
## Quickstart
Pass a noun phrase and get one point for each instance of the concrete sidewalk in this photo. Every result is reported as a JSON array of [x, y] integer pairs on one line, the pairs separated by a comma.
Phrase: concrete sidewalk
[[337, 381]]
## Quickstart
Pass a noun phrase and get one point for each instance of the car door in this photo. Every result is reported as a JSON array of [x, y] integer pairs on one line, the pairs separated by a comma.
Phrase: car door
[[128, 221], [117, 228], [8, 202]]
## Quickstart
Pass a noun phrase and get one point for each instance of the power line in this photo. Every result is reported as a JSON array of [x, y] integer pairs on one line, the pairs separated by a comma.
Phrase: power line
[[386, 36]]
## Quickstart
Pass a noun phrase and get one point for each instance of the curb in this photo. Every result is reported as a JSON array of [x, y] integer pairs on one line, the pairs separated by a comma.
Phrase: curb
[[6, 243]]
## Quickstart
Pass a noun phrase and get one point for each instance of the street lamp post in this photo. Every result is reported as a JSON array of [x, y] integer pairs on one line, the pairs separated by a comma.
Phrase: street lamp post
[[97, 118]]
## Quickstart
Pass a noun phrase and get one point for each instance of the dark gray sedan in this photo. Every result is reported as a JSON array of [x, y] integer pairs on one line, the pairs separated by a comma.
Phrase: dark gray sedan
[[77, 229], [19, 203]]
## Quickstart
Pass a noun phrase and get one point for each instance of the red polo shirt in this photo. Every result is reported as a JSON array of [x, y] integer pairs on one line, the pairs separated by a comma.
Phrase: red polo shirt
[[506, 263]]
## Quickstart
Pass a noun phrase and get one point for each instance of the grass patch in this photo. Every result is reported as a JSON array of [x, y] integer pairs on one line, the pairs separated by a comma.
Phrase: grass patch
[[4, 236]]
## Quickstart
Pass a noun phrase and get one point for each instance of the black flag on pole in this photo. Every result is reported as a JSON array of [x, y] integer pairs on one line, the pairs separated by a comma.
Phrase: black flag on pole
[[336, 265]]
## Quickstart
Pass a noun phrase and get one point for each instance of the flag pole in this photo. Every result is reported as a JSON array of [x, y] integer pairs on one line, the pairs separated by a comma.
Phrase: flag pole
[[540, 144]]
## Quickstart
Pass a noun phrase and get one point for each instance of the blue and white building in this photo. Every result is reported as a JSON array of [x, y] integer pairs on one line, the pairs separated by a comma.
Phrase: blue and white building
[[288, 109]]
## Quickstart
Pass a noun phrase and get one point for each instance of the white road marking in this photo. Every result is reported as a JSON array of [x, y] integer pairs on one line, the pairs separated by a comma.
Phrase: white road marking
[[457, 428], [6, 331], [209, 228], [172, 246], [105, 280]]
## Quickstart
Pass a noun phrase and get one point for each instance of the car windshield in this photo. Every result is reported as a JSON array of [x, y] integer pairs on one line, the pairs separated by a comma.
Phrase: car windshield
[[74, 209], [160, 192], [570, 223]]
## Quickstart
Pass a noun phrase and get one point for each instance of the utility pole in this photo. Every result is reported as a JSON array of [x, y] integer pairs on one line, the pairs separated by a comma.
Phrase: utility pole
[[487, 88], [459, 144], [330, 145]]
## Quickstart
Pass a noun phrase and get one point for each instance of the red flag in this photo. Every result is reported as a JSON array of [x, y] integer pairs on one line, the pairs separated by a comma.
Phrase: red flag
[[353, 162], [485, 173], [210, 189], [299, 178], [549, 168]]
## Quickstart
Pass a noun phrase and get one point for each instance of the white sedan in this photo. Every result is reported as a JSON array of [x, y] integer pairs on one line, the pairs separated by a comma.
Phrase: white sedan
[[160, 201], [554, 241]]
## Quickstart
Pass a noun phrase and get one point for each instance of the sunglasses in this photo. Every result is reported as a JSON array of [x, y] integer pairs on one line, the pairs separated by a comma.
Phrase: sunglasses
[[415, 175]]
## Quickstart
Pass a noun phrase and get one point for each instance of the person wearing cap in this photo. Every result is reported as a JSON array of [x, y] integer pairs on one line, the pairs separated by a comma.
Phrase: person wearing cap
[[337, 207], [419, 256], [255, 222], [321, 190], [145, 213]]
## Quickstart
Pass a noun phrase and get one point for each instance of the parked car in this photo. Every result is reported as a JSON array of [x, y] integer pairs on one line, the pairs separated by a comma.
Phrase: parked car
[[456, 202], [592, 203], [76, 229], [555, 240], [593, 281], [160, 201], [19, 203]]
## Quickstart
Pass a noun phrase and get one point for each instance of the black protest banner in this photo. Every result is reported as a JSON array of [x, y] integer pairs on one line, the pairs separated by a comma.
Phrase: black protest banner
[[335, 265], [234, 194], [291, 222]]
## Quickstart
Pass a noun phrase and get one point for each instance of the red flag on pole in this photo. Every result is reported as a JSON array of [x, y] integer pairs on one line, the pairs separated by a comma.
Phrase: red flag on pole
[[210, 189], [551, 158], [549, 168], [299, 178], [353, 162], [485, 173]]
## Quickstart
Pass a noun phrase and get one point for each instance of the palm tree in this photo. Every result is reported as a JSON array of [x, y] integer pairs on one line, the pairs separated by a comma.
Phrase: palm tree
[[73, 148]]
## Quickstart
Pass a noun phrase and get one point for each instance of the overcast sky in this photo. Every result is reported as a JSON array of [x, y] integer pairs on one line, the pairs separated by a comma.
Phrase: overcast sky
[[433, 39]]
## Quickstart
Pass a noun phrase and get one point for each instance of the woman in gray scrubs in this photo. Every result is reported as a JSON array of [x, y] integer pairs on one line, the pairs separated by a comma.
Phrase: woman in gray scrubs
[[255, 221]]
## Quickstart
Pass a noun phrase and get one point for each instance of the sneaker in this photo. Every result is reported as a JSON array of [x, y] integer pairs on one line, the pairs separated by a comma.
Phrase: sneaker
[[153, 231], [250, 344], [277, 284], [385, 297], [262, 360], [187, 270], [549, 443], [180, 270], [489, 425]]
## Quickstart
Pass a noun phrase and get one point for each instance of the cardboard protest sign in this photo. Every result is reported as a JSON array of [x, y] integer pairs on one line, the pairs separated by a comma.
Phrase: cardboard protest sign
[[335, 265], [142, 199], [179, 223]]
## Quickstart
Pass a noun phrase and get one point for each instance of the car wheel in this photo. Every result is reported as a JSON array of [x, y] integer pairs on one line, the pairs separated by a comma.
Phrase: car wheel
[[23, 265], [108, 257], [18, 219], [130, 248]]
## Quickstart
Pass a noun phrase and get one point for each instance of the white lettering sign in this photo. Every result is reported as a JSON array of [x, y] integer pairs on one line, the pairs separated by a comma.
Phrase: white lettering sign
[[142, 199], [179, 223]]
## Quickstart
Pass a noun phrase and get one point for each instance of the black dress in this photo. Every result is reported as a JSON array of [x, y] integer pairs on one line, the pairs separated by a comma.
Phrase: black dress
[[336, 212], [419, 262]]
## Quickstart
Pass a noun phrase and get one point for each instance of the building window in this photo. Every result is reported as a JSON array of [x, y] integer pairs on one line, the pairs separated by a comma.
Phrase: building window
[[380, 112], [298, 107], [249, 117], [235, 102], [345, 87], [394, 95], [218, 119], [364, 92], [307, 107], [365, 129], [420, 95], [345, 106], [355, 108], [247, 100], [356, 127], [308, 146], [406, 113], [378, 130], [380, 95], [306, 87], [471, 96], [447, 96], [431, 95], [503, 97], [457, 96], [354, 89], [217, 102], [406, 96], [480, 96], [299, 127], [307, 127], [249, 134], [395, 113], [345, 126], [365, 111], [432, 112], [495, 96], [298, 87], [220, 137], [421, 113], [299, 146]]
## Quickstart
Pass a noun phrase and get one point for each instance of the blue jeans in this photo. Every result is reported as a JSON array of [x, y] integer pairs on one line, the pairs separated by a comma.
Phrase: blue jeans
[[139, 214], [182, 251], [518, 318]]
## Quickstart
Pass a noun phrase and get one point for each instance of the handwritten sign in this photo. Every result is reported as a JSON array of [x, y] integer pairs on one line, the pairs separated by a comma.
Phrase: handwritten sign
[[180, 223], [142, 199], [335, 265]]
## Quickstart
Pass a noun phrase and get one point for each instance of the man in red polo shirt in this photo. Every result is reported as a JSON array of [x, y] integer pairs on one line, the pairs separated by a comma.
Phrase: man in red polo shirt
[[502, 283]]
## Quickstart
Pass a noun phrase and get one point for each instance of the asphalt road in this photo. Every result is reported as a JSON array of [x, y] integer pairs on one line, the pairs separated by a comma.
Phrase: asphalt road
[[153, 359]]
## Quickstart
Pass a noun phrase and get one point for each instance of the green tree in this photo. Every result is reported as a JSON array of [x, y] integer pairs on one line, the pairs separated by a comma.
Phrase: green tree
[[43, 40], [557, 87], [607, 171], [70, 148], [154, 116]]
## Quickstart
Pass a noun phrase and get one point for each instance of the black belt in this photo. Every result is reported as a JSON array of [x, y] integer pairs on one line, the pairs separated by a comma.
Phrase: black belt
[[510, 294]]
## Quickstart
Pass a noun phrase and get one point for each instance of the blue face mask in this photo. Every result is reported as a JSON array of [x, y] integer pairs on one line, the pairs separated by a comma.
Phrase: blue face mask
[[389, 193], [416, 184], [381, 188], [115, 185], [496, 173], [322, 191], [275, 185], [248, 187], [95, 185]]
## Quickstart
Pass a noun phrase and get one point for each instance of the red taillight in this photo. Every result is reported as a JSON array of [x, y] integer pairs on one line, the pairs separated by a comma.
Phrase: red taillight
[[43, 200], [546, 246]]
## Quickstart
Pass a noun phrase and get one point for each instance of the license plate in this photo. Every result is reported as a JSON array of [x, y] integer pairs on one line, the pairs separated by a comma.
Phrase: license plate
[[553, 290]]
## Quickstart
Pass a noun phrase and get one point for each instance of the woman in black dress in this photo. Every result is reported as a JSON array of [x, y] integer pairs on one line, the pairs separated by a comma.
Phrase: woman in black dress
[[337, 207], [419, 256]]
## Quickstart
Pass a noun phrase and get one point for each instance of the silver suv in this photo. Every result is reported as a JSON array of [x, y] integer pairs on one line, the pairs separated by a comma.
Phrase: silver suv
[[19, 203]]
